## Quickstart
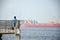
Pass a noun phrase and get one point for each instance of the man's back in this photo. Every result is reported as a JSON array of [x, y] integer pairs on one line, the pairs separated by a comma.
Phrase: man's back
[[14, 21]]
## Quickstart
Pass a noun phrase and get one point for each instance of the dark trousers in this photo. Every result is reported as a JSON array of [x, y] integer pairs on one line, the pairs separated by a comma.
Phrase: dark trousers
[[14, 26]]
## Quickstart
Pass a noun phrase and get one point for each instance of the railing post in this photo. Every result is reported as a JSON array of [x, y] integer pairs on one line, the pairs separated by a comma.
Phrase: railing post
[[17, 31]]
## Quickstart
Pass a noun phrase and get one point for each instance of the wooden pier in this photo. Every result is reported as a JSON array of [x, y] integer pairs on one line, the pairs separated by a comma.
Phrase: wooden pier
[[6, 28]]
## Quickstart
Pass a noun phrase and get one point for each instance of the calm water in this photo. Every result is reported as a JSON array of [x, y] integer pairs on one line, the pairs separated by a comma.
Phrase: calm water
[[30, 33]]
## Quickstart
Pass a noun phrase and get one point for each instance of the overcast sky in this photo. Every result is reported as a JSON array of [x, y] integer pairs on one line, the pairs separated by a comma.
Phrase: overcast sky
[[40, 10]]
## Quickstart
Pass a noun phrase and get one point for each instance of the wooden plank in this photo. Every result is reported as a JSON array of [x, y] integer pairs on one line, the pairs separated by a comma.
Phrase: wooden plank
[[3, 31]]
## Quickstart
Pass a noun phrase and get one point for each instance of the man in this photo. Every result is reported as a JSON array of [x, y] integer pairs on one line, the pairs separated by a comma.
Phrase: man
[[14, 22]]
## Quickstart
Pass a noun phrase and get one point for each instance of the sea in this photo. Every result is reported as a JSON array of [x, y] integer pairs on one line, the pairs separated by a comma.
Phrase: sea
[[35, 33]]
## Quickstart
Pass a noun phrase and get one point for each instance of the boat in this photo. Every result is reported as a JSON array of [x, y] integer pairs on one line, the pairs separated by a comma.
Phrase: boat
[[30, 23], [40, 25]]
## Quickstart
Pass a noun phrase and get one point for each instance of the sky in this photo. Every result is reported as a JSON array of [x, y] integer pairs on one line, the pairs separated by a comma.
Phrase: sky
[[40, 10]]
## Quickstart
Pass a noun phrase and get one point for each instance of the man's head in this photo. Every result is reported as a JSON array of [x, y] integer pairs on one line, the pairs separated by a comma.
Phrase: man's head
[[14, 16]]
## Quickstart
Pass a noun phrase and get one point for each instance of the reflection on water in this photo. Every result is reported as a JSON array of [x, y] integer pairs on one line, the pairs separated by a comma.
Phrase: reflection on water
[[36, 34]]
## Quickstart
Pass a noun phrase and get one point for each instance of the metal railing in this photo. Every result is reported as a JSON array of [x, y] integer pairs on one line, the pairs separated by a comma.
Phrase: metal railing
[[7, 24]]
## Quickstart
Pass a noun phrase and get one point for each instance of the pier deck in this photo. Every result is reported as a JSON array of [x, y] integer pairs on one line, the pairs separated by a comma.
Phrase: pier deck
[[6, 28]]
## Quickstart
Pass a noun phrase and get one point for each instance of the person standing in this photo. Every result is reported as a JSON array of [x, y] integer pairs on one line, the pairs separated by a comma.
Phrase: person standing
[[14, 22]]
